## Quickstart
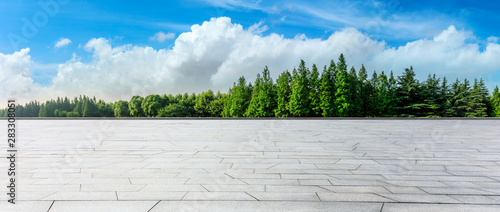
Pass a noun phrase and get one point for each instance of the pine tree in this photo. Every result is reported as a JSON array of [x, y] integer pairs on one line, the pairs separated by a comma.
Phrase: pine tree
[[240, 98], [89, 108], [254, 105], [327, 91], [267, 96], [408, 94], [342, 94], [495, 99], [477, 101], [444, 99], [430, 106], [314, 97], [366, 92], [383, 97], [460, 98], [283, 92], [355, 92], [299, 105]]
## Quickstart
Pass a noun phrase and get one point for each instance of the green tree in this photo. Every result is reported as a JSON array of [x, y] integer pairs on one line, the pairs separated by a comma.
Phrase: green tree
[[120, 109], [135, 106], [299, 104], [445, 95], [151, 105], [216, 106], [240, 98], [495, 99], [203, 101], [366, 93], [343, 97], [460, 98], [283, 92], [174, 110], [384, 97], [477, 100], [327, 91], [408, 94], [105, 109], [254, 105], [267, 95], [355, 94], [430, 106], [90, 108], [314, 97]]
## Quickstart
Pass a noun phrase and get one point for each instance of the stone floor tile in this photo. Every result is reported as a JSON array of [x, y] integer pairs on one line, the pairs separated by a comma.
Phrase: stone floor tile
[[264, 206], [284, 196], [351, 197], [150, 195], [26, 206], [105, 206], [218, 196], [403, 207]]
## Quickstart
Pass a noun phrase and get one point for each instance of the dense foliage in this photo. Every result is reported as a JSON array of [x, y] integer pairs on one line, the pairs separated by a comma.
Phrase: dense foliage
[[335, 92]]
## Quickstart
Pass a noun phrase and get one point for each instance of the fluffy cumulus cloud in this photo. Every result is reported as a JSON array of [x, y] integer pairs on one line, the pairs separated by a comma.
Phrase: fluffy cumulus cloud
[[214, 54], [15, 76], [62, 42], [161, 36]]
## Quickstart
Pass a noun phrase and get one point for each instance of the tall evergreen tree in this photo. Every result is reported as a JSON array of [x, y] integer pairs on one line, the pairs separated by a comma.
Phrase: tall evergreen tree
[[314, 98], [459, 100], [495, 99], [477, 102], [430, 97], [343, 85], [90, 108], [355, 94], [283, 92], [240, 98], [254, 105], [327, 91], [384, 95], [299, 105], [366, 92], [408, 94], [267, 96], [445, 95]]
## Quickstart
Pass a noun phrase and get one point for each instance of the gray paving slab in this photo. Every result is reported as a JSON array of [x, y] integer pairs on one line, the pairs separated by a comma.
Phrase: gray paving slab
[[315, 164], [26, 206], [251, 206], [104, 206], [398, 207]]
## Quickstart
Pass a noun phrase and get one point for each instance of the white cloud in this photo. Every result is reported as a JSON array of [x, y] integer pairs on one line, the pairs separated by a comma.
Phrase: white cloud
[[62, 42], [15, 76], [161, 36], [213, 55], [492, 39]]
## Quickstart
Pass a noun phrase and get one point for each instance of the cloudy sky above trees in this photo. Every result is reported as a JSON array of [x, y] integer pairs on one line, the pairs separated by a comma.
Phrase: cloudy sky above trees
[[111, 50]]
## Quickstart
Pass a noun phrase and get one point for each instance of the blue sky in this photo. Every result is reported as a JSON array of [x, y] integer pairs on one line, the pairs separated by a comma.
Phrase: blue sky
[[128, 26]]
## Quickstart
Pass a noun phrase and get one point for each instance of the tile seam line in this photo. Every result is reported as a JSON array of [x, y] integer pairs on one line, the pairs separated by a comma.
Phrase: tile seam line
[[154, 205]]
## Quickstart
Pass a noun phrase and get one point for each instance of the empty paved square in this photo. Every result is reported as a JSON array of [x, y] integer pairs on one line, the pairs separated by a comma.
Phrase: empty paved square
[[256, 165]]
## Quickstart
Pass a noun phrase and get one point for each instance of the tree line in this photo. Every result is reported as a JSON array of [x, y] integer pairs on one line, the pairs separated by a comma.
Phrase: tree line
[[304, 92]]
